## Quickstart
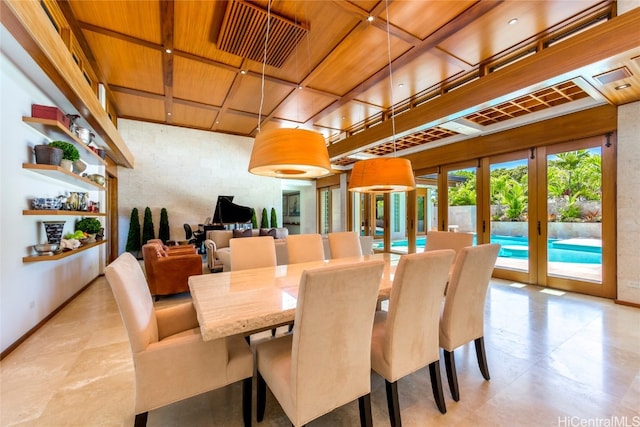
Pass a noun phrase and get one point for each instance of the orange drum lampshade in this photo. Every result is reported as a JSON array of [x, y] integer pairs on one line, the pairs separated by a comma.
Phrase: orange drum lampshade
[[289, 153], [382, 175]]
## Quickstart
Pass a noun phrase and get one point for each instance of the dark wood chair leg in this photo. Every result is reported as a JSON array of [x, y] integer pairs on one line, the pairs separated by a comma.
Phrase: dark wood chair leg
[[291, 327], [261, 397], [393, 403], [364, 404], [247, 390], [452, 378], [141, 420], [436, 386], [273, 332], [248, 339], [482, 358]]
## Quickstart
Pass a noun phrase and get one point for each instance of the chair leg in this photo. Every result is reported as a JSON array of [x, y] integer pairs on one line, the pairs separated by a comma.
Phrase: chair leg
[[482, 358], [364, 404], [452, 378], [273, 332], [248, 339], [141, 420], [436, 386], [393, 403], [247, 388], [261, 398]]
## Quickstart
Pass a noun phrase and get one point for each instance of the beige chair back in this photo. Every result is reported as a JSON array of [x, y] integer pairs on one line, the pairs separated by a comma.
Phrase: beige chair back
[[304, 248], [131, 292], [252, 252], [331, 350], [463, 314], [437, 240], [345, 244], [411, 329]]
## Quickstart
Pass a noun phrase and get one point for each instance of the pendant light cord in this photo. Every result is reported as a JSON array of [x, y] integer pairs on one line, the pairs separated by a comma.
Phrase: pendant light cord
[[264, 63], [393, 111]]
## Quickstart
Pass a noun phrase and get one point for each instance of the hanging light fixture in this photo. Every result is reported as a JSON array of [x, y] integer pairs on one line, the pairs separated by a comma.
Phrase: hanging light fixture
[[384, 174], [287, 153]]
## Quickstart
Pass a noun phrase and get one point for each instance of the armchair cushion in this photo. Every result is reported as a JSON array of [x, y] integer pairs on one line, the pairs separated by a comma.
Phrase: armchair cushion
[[242, 233], [268, 232]]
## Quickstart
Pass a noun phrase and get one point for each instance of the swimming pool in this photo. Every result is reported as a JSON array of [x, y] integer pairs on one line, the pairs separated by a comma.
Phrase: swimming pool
[[569, 250]]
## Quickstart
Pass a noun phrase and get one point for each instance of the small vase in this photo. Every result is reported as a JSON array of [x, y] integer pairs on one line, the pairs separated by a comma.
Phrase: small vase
[[66, 164], [53, 230]]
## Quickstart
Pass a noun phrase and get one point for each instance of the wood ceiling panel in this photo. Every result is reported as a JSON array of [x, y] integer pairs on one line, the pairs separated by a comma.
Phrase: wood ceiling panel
[[202, 19], [236, 123], [423, 73], [363, 54], [127, 64], [301, 105], [492, 34], [422, 18], [200, 82], [622, 95], [140, 19], [349, 115], [200, 118], [139, 107], [248, 93]]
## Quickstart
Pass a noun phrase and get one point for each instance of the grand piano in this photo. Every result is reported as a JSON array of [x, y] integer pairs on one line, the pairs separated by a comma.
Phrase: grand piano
[[229, 215]]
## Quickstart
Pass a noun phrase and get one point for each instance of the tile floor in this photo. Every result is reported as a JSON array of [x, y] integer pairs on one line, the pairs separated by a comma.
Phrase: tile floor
[[567, 360]]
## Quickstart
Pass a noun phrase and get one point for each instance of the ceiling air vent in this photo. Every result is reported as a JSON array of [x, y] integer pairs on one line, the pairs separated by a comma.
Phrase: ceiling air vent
[[613, 75], [243, 33]]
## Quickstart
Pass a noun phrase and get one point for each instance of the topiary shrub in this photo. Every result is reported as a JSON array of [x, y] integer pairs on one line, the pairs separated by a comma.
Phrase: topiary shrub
[[254, 220], [147, 226], [163, 231], [274, 218], [133, 238], [264, 222]]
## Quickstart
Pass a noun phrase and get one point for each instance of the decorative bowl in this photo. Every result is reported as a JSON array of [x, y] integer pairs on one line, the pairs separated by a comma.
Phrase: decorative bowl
[[46, 203], [46, 248]]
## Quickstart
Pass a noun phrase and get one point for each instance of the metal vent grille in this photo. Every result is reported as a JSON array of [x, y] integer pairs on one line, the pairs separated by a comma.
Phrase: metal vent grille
[[243, 33]]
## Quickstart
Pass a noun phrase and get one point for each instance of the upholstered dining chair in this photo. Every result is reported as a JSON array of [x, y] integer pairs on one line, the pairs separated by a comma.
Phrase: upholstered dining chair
[[304, 248], [462, 317], [171, 361], [344, 244], [252, 252], [326, 362], [437, 240], [405, 338]]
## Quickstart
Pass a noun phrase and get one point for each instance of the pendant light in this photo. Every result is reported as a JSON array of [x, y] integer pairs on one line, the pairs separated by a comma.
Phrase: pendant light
[[287, 153], [383, 174]]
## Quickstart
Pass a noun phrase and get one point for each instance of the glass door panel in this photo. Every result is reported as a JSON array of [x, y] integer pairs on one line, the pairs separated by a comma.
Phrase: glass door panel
[[461, 200], [509, 211], [421, 208], [574, 214]]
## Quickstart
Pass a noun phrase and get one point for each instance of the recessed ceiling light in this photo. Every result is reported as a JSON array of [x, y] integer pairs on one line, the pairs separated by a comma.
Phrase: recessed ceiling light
[[370, 18], [168, 114], [300, 87], [168, 50], [623, 86], [401, 85], [243, 71], [513, 21]]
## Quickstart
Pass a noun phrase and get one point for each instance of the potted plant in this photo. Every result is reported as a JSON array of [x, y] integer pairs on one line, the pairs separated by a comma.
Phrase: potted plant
[[90, 226], [70, 153]]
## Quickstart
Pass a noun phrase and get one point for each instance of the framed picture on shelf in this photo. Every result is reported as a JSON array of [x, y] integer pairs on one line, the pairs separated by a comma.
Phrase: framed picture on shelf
[[294, 204]]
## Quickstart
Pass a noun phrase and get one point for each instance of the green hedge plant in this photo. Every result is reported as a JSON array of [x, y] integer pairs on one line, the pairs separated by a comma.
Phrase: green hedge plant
[[69, 151]]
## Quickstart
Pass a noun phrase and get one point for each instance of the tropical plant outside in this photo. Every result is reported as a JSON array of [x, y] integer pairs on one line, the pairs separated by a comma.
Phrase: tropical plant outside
[[574, 178]]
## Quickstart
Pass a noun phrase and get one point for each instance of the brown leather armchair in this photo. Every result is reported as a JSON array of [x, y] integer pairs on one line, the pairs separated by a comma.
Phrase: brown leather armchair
[[168, 274]]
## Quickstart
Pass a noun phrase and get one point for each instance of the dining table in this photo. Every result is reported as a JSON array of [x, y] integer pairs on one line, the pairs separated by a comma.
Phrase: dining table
[[249, 301]]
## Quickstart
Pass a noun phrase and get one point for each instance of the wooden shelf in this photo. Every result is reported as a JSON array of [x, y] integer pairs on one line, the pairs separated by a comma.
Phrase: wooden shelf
[[51, 212], [54, 130], [56, 172], [63, 254]]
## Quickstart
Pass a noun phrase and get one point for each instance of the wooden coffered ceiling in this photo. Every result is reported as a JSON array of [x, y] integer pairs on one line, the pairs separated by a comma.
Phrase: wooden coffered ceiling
[[328, 66]]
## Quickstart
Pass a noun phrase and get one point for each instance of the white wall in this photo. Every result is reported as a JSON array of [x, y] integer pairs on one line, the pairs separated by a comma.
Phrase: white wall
[[184, 171], [29, 292], [628, 220]]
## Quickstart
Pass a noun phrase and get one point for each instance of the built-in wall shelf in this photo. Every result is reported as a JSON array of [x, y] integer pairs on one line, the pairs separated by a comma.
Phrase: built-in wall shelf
[[63, 254], [63, 175], [54, 130], [51, 212]]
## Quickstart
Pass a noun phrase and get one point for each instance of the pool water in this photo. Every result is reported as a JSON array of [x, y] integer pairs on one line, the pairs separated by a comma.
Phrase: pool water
[[517, 247]]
